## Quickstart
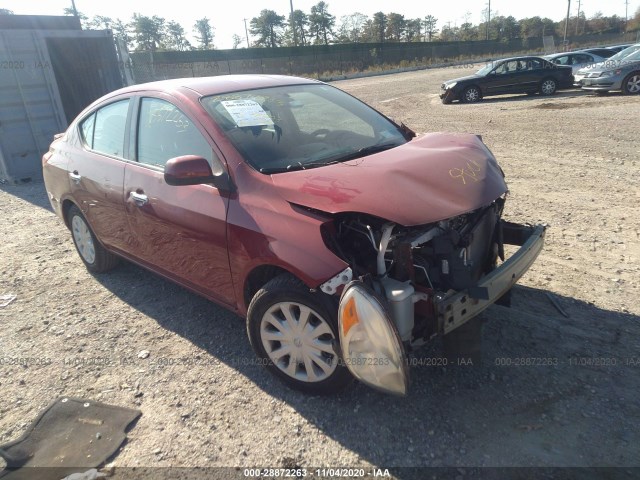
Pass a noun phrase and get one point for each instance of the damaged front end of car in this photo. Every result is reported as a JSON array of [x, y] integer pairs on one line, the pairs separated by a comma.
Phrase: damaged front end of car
[[405, 285]]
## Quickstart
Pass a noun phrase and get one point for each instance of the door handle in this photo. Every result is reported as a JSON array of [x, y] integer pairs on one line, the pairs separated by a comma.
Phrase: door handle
[[140, 199], [75, 176]]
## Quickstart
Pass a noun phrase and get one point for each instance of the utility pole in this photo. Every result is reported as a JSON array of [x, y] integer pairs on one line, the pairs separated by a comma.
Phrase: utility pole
[[246, 32], [73, 6], [578, 17], [566, 24], [488, 19], [626, 14], [293, 26]]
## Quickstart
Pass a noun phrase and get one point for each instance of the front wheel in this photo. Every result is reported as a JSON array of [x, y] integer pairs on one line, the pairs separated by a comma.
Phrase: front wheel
[[548, 86], [95, 257], [631, 84], [294, 333], [471, 95]]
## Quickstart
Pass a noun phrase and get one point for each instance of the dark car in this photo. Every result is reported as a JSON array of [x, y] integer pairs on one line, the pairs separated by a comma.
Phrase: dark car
[[603, 52], [618, 48], [342, 238], [511, 75]]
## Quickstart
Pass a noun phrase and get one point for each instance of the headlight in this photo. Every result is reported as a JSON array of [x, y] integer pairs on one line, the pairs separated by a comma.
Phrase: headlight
[[371, 346], [611, 73], [451, 85]]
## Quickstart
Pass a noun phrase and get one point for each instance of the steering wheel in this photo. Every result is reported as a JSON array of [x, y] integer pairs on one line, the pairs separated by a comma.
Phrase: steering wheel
[[321, 131]]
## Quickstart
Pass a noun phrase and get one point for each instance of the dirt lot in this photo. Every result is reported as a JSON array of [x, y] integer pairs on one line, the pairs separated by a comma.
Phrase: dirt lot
[[572, 162]]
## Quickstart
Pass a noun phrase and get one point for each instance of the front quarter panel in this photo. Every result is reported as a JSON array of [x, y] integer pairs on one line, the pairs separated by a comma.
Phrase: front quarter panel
[[264, 229]]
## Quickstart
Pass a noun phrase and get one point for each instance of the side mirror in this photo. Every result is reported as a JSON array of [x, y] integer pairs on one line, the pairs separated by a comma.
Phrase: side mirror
[[195, 170]]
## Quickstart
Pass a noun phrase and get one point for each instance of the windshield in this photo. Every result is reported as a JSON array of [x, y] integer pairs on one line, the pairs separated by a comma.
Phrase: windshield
[[486, 69], [624, 53], [297, 127]]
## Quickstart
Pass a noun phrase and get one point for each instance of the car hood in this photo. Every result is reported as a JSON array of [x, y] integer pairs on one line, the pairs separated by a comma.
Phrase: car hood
[[462, 79], [432, 178]]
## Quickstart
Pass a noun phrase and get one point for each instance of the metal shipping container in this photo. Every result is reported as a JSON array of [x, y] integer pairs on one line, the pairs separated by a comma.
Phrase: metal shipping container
[[46, 78]]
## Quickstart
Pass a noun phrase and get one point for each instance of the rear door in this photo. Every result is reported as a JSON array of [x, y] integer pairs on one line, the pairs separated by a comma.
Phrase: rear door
[[96, 171], [532, 74], [178, 231], [502, 81]]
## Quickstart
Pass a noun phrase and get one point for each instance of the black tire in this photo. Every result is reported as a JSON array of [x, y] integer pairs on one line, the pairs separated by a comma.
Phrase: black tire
[[98, 261], [268, 305], [471, 94], [548, 87], [631, 84]]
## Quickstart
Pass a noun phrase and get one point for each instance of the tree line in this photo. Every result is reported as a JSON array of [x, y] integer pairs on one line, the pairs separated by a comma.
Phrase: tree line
[[319, 26]]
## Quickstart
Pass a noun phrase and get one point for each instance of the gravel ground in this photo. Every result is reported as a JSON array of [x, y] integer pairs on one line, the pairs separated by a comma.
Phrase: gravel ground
[[571, 162]]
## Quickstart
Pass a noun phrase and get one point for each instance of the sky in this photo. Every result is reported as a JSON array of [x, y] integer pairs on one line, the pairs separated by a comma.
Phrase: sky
[[228, 18]]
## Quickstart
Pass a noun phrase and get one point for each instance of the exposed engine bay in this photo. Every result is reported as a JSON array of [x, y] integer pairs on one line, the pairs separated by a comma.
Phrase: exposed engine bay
[[412, 267]]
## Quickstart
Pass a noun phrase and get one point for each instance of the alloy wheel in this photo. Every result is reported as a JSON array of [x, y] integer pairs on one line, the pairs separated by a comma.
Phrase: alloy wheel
[[472, 95], [548, 87], [633, 84]]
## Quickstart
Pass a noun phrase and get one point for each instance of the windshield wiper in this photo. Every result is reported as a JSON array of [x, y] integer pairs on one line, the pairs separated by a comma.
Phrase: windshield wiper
[[364, 151], [295, 166]]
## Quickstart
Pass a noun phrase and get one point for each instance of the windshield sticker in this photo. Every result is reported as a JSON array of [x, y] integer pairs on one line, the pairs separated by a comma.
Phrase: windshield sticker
[[247, 113]]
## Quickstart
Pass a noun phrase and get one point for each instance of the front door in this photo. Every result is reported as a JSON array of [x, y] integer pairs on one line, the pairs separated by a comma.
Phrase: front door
[[179, 231]]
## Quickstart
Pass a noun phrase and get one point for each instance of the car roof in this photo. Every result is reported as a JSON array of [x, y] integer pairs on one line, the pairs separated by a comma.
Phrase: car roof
[[523, 57], [218, 84]]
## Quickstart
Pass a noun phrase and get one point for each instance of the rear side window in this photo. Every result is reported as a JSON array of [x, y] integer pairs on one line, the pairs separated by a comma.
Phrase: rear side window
[[86, 130], [164, 132], [104, 130]]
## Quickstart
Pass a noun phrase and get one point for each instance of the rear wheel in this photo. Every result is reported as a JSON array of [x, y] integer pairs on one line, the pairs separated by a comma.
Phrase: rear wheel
[[294, 333], [548, 86], [631, 84], [95, 257], [471, 95]]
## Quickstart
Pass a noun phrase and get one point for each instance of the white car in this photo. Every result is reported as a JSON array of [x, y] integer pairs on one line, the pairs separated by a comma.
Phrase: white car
[[576, 60]]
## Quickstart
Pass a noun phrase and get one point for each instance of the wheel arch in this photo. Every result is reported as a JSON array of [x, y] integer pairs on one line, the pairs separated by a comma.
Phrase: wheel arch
[[627, 77], [257, 278], [66, 206]]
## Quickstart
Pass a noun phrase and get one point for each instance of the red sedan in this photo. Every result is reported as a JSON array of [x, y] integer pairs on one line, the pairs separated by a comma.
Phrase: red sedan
[[344, 240]]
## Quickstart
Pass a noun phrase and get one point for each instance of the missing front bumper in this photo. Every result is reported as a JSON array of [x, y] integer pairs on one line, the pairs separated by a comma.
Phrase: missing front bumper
[[457, 308]]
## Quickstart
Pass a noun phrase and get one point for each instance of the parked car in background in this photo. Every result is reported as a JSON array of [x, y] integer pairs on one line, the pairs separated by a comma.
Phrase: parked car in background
[[576, 60], [510, 75], [342, 238], [600, 51], [619, 48], [620, 72]]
